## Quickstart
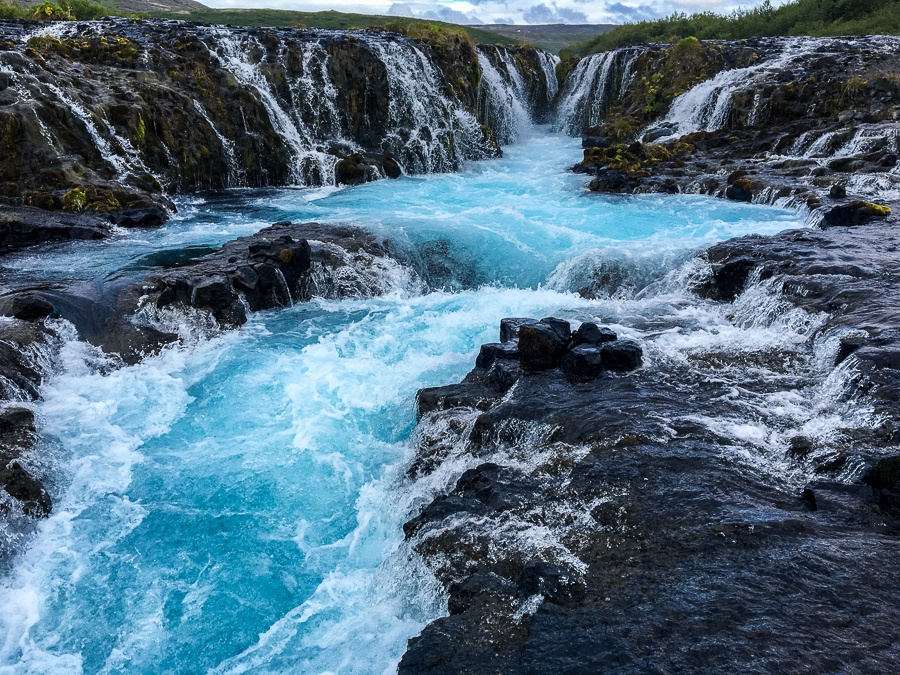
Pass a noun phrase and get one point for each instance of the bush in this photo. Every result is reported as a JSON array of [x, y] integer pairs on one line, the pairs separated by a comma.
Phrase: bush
[[801, 17]]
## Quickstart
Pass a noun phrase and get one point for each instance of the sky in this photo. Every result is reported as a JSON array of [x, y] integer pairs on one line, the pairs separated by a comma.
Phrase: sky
[[508, 11]]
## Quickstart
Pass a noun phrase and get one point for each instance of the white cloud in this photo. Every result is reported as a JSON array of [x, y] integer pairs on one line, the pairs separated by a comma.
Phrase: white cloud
[[508, 11]]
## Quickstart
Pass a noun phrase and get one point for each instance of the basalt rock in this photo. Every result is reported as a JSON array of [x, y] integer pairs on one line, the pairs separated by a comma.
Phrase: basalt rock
[[280, 265], [26, 226], [608, 508]]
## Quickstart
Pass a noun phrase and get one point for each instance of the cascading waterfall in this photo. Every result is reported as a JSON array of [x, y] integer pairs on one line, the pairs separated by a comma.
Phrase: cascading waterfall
[[309, 165], [502, 100], [399, 106], [593, 87], [429, 132]]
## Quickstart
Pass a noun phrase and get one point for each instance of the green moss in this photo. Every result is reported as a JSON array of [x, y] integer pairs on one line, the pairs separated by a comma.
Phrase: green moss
[[871, 209], [75, 200]]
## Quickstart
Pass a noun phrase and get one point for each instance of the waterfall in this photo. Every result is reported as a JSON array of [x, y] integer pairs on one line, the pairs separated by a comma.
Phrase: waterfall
[[594, 86], [708, 105], [502, 95], [308, 164], [236, 177], [548, 66], [428, 131], [230, 106]]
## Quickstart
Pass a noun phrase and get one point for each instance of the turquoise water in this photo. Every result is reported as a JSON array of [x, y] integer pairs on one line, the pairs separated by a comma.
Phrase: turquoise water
[[237, 505]]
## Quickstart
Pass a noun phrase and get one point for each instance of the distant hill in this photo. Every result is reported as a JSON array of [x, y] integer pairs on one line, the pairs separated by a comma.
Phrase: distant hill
[[817, 18], [553, 36]]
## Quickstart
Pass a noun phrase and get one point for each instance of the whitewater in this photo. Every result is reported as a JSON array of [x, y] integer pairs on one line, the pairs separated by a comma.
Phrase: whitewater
[[235, 504]]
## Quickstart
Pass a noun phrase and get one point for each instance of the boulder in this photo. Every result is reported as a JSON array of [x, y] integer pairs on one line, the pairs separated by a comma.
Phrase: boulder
[[583, 362], [509, 328], [884, 477], [854, 213], [140, 216], [543, 344], [591, 334], [494, 351], [622, 355], [24, 487]]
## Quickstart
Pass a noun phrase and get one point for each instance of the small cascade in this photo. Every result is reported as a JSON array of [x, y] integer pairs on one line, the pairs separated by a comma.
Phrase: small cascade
[[708, 106], [258, 107], [548, 66], [309, 165], [428, 132], [594, 86], [237, 177], [502, 96]]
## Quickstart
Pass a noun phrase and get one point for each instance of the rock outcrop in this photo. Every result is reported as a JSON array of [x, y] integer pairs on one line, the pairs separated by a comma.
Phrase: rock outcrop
[[601, 524], [799, 121]]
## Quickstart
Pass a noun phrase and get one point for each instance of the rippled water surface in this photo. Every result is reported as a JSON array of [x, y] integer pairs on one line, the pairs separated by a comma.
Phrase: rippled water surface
[[237, 506]]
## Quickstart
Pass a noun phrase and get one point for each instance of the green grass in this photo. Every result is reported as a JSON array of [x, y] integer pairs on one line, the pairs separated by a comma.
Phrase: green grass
[[277, 18], [60, 10], [802, 17]]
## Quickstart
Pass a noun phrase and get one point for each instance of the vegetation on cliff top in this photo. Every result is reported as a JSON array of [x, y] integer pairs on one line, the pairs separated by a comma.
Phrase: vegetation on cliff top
[[62, 10], [277, 18], [802, 17]]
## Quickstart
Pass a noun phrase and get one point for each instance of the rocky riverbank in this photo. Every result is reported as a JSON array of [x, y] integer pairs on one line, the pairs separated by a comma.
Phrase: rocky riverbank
[[799, 121], [619, 522], [607, 525]]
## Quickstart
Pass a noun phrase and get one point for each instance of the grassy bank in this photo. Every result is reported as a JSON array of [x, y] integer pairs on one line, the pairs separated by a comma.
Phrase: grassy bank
[[803, 17], [277, 18]]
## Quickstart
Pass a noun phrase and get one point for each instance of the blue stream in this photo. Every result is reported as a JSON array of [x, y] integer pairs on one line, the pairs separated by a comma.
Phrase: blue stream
[[237, 505]]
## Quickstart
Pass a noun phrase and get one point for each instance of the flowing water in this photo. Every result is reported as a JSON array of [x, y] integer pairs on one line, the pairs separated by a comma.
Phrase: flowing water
[[236, 505]]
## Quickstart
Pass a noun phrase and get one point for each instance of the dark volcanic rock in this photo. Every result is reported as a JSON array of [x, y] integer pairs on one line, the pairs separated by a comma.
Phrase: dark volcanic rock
[[583, 361], [622, 355], [591, 334], [855, 213], [280, 265], [885, 478], [26, 226], [96, 320], [542, 344], [611, 531]]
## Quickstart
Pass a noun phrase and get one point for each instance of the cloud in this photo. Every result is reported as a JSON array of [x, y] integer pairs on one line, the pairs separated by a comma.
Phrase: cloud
[[435, 11], [553, 14], [621, 13], [509, 11]]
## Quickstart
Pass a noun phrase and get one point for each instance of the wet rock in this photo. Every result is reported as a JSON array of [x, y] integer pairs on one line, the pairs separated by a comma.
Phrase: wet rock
[[269, 269], [590, 333], [558, 585], [509, 328], [801, 447], [543, 344], [613, 180], [25, 226], [849, 344], [479, 589], [740, 191], [27, 306], [853, 214], [494, 351], [22, 486], [838, 191], [884, 477], [583, 362], [145, 217], [622, 355], [840, 498]]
